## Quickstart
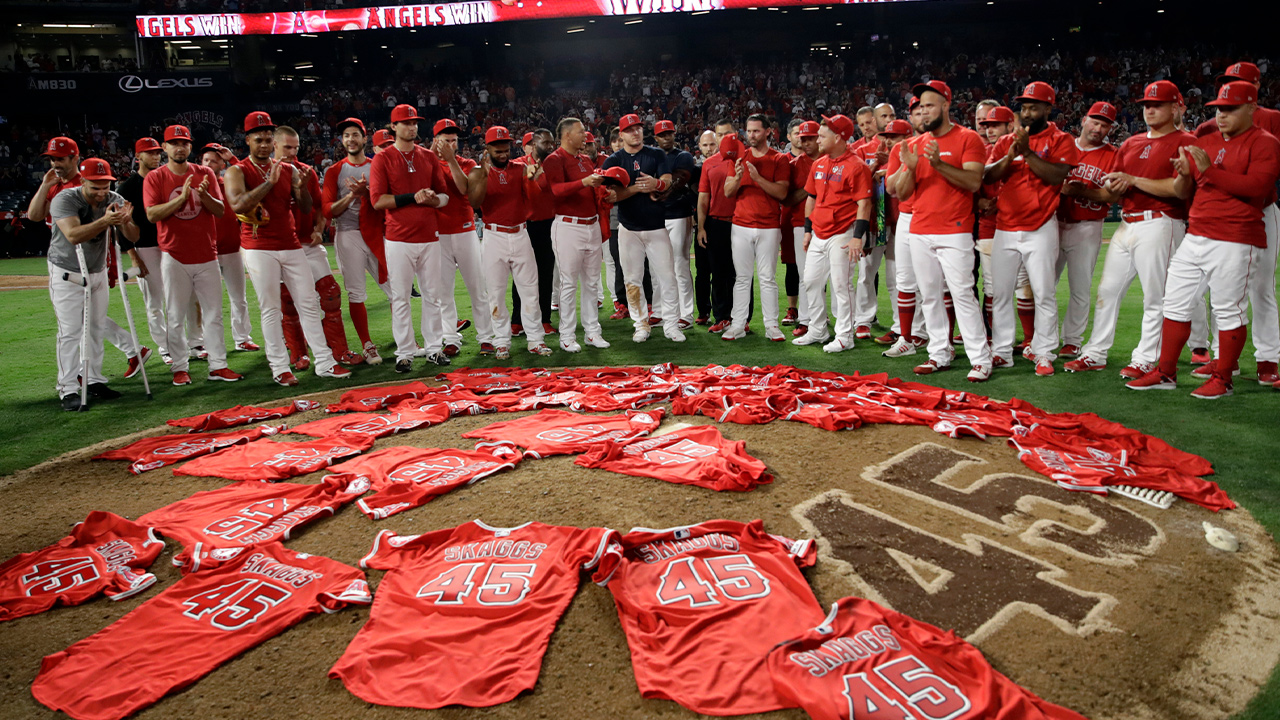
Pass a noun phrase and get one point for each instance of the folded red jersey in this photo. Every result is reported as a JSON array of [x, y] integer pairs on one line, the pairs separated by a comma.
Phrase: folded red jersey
[[241, 415], [374, 425], [376, 398], [690, 456], [268, 460], [560, 432], [156, 452], [408, 477]]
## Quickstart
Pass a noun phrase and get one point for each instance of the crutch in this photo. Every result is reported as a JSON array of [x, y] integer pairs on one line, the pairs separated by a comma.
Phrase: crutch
[[122, 279], [84, 336]]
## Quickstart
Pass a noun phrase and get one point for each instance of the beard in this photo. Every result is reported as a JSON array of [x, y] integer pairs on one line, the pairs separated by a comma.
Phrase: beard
[[500, 165], [931, 125], [1038, 126]]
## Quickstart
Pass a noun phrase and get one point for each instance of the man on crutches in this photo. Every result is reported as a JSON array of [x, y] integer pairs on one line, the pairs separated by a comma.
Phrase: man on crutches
[[81, 217]]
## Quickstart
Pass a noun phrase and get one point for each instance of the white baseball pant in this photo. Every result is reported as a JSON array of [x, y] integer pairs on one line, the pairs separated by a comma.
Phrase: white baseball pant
[[633, 247], [681, 243], [905, 275], [1023, 291], [576, 243], [867, 302], [1037, 251], [118, 336], [1265, 328], [461, 254], [1223, 268], [267, 269], [802, 261], [406, 262], [612, 273], [1078, 247], [354, 260], [68, 308], [203, 281], [826, 258], [755, 252], [509, 255], [232, 267], [1138, 249], [946, 262], [153, 297]]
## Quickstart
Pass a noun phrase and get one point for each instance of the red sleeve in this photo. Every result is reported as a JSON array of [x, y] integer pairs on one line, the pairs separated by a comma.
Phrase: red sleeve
[[553, 168], [1260, 178], [215, 188], [811, 185], [151, 190], [1207, 127], [1065, 150], [864, 189], [1000, 150], [973, 151], [532, 188], [704, 178], [782, 168], [379, 183], [439, 180], [329, 194]]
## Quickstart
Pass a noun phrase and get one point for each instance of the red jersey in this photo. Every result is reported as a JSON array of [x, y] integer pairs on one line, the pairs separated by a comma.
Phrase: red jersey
[[404, 478], [269, 461], [715, 170], [396, 172], [801, 167], [905, 207], [509, 197], [564, 175], [697, 455], [374, 425], [458, 402], [1148, 157], [190, 234], [241, 415], [278, 232], [58, 187], [156, 452], [1026, 202], [944, 208], [484, 600], [701, 607], [542, 206], [248, 513], [375, 398], [235, 602], [228, 226], [304, 223], [989, 191], [867, 661], [755, 208], [104, 554], [560, 432], [1239, 183], [837, 185], [1091, 169], [457, 216]]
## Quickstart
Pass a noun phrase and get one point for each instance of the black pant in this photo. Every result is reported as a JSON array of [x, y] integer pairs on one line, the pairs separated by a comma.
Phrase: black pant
[[620, 285], [720, 250], [702, 280], [793, 277], [540, 239]]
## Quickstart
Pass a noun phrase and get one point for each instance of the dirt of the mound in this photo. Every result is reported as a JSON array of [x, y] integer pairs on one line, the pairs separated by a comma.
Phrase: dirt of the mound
[[23, 282], [1110, 607]]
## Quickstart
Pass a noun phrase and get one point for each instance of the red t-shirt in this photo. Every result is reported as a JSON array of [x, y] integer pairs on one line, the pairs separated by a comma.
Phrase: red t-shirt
[[1092, 168], [1240, 182], [867, 661], [509, 198], [1026, 202], [837, 185], [905, 207], [241, 415], [801, 165], [268, 460], [987, 223], [703, 605], [697, 455], [239, 598], [457, 216], [190, 235], [395, 172], [278, 233], [464, 615], [374, 425], [375, 398], [228, 232], [542, 206], [1147, 157], [404, 477], [944, 208], [156, 452], [715, 170], [560, 432], [755, 209], [304, 223], [104, 554], [564, 174]]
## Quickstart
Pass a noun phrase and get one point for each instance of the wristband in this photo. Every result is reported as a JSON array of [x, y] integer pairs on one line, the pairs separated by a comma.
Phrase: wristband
[[808, 225], [405, 199], [860, 228], [662, 185]]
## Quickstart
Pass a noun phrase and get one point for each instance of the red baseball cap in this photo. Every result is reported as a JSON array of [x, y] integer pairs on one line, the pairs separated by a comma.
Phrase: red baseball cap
[[405, 113], [350, 122], [215, 147], [1245, 71], [1161, 91], [897, 127], [808, 128], [96, 169], [257, 120], [1039, 92], [177, 132], [731, 147], [616, 176], [382, 138], [935, 85], [61, 147], [841, 125], [527, 139], [445, 125], [628, 121], [663, 126], [1240, 92], [1104, 111], [146, 144], [912, 103], [497, 134], [998, 114]]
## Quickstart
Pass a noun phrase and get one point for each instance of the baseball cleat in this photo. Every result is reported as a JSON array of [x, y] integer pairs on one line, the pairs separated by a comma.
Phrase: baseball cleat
[[1267, 373], [137, 361], [929, 367], [684, 324], [540, 349], [811, 339], [1200, 356], [303, 364], [71, 402], [702, 320], [404, 366], [1215, 388], [420, 352], [337, 371], [517, 329], [463, 324], [1044, 367], [452, 350], [980, 373], [862, 332], [502, 353], [640, 335], [371, 356], [719, 327], [351, 358], [166, 357], [735, 332], [1083, 364], [1069, 351], [1022, 348], [439, 358], [570, 345], [199, 353], [799, 330], [791, 318], [286, 379], [998, 362], [1138, 369], [182, 377], [225, 375], [836, 346], [596, 341], [486, 348], [654, 321], [902, 348], [620, 312], [555, 307], [247, 346], [1206, 371], [674, 335], [549, 329], [774, 334], [888, 338], [1154, 380], [102, 392]]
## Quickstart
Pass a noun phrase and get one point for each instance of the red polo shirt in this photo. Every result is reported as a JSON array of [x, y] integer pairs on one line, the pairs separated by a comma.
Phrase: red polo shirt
[[755, 208], [190, 235]]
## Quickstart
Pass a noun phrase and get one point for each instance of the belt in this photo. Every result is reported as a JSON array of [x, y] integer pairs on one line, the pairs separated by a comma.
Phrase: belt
[[504, 228], [1144, 215], [579, 221]]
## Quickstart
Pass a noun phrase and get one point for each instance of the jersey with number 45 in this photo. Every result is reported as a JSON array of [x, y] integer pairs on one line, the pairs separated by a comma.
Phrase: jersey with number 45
[[867, 662], [702, 606], [239, 598], [464, 615]]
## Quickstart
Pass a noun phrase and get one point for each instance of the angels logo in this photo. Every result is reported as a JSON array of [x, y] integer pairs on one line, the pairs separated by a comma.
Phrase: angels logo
[[1152, 91], [359, 486], [502, 178], [189, 447], [225, 553], [573, 434], [401, 540], [191, 209], [636, 165], [307, 458], [837, 173], [681, 453], [1222, 154]]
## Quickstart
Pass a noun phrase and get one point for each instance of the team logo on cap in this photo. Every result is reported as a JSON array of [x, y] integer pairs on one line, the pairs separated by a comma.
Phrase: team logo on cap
[[262, 118], [1152, 90], [55, 144], [1224, 92], [1234, 69]]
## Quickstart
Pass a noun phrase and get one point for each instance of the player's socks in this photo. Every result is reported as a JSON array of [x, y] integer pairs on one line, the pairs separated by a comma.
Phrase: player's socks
[[1173, 336], [1230, 345], [906, 312], [360, 319], [1027, 316], [986, 313]]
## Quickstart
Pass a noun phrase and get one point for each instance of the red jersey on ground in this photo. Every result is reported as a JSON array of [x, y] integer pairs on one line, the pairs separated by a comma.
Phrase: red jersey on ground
[[374, 425], [156, 452], [905, 207], [702, 606], [304, 223], [464, 615], [1026, 202], [564, 173], [560, 432], [755, 208], [268, 460], [248, 513], [867, 661], [690, 456], [1147, 157], [944, 208], [376, 398], [228, 226], [409, 477], [104, 554], [241, 415], [457, 216], [278, 233], [715, 170], [1239, 183], [190, 234], [509, 197], [458, 403], [1091, 169], [801, 169], [837, 184], [396, 172], [235, 602]]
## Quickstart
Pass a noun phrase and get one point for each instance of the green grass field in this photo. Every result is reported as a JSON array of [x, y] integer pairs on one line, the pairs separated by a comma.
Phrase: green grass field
[[1234, 433]]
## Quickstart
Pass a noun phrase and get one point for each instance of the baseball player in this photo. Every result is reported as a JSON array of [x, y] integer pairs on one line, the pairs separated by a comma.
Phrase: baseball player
[[760, 180], [217, 158], [503, 191], [868, 128], [715, 218], [184, 201], [1230, 177], [707, 146], [910, 335], [1033, 162], [943, 169], [260, 190], [592, 149], [804, 150], [406, 180], [1080, 214], [884, 220], [678, 202], [643, 229], [81, 216], [575, 232], [996, 122], [357, 229], [538, 145], [1153, 222]]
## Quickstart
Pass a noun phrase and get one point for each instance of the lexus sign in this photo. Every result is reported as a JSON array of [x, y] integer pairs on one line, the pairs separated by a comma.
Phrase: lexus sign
[[133, 83]]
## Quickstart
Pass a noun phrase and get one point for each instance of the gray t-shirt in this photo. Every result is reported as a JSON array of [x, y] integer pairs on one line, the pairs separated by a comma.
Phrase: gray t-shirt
[[72, 203], [350, 220]]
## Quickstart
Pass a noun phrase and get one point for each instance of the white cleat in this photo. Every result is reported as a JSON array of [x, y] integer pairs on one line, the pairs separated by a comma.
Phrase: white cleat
[[836, 346], [596, 341], [902, 348], [735, 332], [640, 335], [570, 346], [674, 335], [811, 339], [371, 356], [980, 373], [773, 334]]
